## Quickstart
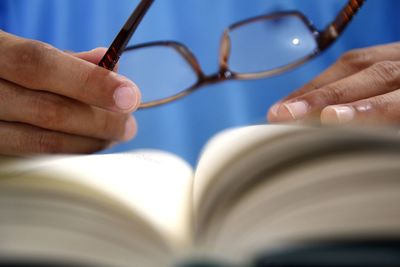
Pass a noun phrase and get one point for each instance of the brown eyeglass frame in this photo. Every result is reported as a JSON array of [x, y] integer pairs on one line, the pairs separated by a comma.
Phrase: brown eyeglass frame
[[324, 39]]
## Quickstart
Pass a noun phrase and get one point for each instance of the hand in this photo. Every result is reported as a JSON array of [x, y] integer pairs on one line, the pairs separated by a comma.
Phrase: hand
[[363, 86], [55, 102]]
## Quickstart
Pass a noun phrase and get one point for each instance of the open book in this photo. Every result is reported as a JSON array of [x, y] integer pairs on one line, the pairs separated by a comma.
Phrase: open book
[[258, 190]]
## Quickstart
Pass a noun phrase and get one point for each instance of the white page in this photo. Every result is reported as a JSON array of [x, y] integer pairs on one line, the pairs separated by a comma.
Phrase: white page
[[154, 184]]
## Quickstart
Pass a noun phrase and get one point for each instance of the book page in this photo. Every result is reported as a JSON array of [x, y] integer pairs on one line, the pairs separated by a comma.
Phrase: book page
[[349, 197], [225, 147], [274, 187], [153, 184]]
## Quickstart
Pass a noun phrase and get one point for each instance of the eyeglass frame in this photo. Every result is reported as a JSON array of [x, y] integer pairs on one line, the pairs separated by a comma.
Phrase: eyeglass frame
[[324, 40]]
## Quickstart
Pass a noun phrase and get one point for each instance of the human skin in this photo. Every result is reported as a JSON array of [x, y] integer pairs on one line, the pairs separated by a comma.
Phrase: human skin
[[363, 86], [58, 102]]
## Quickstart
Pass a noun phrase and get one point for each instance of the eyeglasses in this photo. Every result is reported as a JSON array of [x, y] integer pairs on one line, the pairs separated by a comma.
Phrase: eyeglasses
[[258, 47]]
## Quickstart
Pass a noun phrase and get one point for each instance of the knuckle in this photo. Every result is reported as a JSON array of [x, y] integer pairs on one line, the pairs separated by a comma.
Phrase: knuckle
[[49, 142], [384, 103], [376, 103], [335, 94], [31, 58], [328, 95], [309, 87], [386, 72], [48, 111], [356, 60], [378, 106], [86, 80], [92, 82], [45, 142], [5, 93]]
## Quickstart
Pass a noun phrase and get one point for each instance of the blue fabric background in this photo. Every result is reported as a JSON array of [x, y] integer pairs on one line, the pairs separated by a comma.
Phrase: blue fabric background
[[184, 127]]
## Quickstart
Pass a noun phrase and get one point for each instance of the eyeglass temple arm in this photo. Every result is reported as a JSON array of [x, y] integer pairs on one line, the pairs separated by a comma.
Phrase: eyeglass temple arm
[[333, 31], [110, 59]]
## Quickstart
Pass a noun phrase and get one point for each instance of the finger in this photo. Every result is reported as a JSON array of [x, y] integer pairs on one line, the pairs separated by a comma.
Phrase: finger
[[378, 79], [19, 139], [38, 66], [382, 109], [94, 56], [351, 63], [61, 114]]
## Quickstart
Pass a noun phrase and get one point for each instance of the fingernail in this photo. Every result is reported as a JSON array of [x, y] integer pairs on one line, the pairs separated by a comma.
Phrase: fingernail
[[337, 115], [294, 110], [130, 129], [125, 98]]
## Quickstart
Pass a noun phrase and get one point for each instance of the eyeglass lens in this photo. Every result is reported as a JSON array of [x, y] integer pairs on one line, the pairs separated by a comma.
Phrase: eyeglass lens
[[159, 71], [269, 44]]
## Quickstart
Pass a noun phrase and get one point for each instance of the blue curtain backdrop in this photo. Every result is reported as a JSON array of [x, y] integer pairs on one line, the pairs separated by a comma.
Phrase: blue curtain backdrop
[[184, 127]]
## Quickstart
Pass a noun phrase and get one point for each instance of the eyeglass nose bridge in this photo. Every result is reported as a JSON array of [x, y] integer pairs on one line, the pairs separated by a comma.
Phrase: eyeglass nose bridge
[[222, 75], [225, 50]]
